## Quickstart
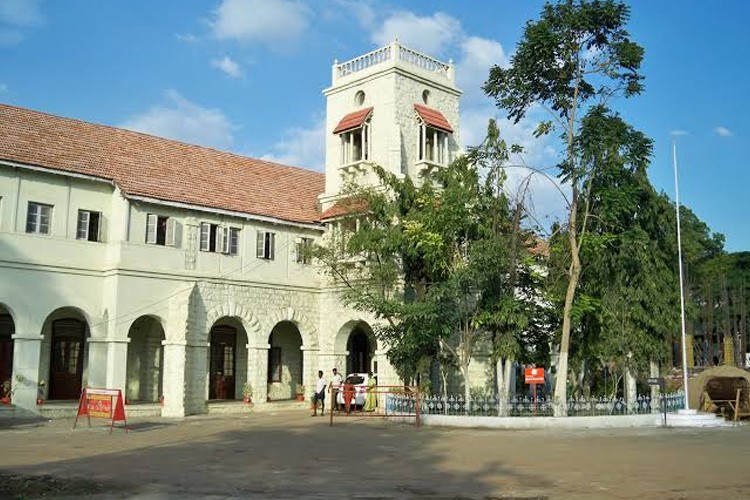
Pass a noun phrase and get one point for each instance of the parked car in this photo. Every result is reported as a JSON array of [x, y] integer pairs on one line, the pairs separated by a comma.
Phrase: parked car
[[359, 381]]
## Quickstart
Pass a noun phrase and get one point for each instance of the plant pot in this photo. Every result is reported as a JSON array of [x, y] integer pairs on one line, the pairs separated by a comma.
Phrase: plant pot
[[161, 401], [247, 400], [300, 397], [40, 401], [127, 401], [5, 400]]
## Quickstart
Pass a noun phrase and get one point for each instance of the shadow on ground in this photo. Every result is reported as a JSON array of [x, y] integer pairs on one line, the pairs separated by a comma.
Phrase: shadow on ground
[[366, 460]]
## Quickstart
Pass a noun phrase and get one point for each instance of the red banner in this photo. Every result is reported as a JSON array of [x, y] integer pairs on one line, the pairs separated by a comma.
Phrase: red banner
[[102, 403], [534, 375]]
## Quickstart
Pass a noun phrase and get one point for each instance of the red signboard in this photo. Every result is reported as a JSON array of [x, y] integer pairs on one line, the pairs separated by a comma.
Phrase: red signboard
[[102, 403], [534, 375]]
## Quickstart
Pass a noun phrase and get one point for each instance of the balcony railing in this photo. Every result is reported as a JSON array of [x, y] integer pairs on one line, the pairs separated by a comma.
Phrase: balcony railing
[[393, 54]]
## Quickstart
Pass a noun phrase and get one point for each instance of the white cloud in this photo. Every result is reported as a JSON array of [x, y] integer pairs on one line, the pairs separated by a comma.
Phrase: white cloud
[[263, 21], [478, 55], [304, 147], [228, 65], [21, 12], [185, 121], [431, 34], [186, 37], [362, 11], [678, 133], [723, 132]]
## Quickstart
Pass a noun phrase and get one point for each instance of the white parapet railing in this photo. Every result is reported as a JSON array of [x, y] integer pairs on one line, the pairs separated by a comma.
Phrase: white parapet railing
[[363, 62], [392, 54]]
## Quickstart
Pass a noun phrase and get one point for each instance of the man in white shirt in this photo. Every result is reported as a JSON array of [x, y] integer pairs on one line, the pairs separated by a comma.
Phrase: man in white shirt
[[336, 381], [320, 395]]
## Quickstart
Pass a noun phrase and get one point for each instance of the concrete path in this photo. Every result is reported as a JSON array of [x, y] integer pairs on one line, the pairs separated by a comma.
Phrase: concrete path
[[288, 454]]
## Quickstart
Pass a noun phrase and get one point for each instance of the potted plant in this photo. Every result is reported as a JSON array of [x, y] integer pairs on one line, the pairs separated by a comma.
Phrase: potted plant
[[40, 392], [247, 393], [300, 392], [6, 392]]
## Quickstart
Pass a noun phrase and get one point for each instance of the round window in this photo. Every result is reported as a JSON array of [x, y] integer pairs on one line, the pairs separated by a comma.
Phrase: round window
[[359, 98], [426, 96]]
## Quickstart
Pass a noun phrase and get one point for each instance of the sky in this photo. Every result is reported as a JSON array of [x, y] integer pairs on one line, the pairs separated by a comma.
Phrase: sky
[[247, 76]]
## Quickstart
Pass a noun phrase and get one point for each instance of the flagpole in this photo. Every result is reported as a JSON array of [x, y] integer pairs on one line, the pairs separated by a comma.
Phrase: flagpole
[[682, 287]]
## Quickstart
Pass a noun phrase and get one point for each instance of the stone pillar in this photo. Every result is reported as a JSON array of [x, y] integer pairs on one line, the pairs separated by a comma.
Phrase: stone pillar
[[309, 370], [655, 392], [729, 351], [174, 378], [261, 374], [25, 382], [196, 377], [96, 362], [690, 351], [117, 364]]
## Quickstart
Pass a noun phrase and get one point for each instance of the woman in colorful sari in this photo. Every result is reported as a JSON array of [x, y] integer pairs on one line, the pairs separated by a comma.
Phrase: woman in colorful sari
[[370, 398]]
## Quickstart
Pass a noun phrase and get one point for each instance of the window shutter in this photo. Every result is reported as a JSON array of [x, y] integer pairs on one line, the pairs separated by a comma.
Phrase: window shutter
[[100, 228], [223, 234], [271, 245], [205, 236], [234, 240], [151, 220], [259, 245], [84, 217], [169, 240], [297, 250], [31, 217]]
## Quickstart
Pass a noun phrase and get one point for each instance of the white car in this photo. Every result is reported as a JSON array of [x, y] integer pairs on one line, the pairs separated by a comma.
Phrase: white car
[[359, 381]]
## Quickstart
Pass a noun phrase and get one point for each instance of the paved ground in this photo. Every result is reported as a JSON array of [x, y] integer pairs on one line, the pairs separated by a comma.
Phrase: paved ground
[[291, 455]]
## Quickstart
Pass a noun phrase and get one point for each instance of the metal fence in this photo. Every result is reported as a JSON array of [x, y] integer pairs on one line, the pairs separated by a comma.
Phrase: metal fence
[[489, 406]]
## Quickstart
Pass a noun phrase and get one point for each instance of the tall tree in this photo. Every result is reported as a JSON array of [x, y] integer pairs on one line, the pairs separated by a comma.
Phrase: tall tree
[[577, 55]]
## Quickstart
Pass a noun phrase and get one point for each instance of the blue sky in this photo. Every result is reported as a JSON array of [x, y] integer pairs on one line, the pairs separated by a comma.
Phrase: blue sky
[[247, 75]]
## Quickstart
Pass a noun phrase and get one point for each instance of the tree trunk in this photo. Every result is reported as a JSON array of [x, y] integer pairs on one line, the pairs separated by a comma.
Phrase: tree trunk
[[502, 368], [561, 385], [467, 386], [655, 390], [631, 394]]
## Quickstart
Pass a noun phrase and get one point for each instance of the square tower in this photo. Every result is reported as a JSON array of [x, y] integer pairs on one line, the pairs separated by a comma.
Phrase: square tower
[[394, 107]]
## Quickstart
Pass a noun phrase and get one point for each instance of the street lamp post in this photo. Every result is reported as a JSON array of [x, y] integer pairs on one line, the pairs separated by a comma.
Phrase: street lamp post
[[682, 287]]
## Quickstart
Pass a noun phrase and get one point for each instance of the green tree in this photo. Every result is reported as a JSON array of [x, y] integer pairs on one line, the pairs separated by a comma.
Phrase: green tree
[[576, 56], [435, 261]]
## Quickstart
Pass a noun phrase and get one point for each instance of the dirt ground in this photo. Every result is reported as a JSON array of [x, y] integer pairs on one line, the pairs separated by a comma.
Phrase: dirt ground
[[288, 454]]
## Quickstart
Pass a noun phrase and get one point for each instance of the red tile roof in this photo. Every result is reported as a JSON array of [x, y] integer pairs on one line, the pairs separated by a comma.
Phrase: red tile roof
[[148, 166], [433, 117], [352, 120], [347, 206]]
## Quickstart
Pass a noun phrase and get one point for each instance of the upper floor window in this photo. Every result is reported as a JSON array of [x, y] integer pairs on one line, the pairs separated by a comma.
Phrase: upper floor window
[[434, 135], [265, 245], [433, 145], [355, 144], [216, 238], [354, 133], [38, 218], [160, 230], [89, 225], [302, 250]]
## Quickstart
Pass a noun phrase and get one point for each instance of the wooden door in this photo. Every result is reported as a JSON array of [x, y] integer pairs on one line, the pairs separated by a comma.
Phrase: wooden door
[[222, 363], [6, 347], [66, 359]]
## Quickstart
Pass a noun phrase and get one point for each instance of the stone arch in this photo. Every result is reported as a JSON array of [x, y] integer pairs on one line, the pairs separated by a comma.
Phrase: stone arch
[[7, 330], [356, 340], [145, 359], [65, 352], [305, 327], [242, 313], [227, 359]]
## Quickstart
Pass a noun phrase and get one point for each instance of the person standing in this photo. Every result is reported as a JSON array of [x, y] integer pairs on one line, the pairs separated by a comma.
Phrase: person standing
[[336, 381], [320, 395], [370, 398]]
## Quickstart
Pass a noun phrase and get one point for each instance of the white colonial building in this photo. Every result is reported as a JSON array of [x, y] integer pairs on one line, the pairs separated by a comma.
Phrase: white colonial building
[[171, 270]]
